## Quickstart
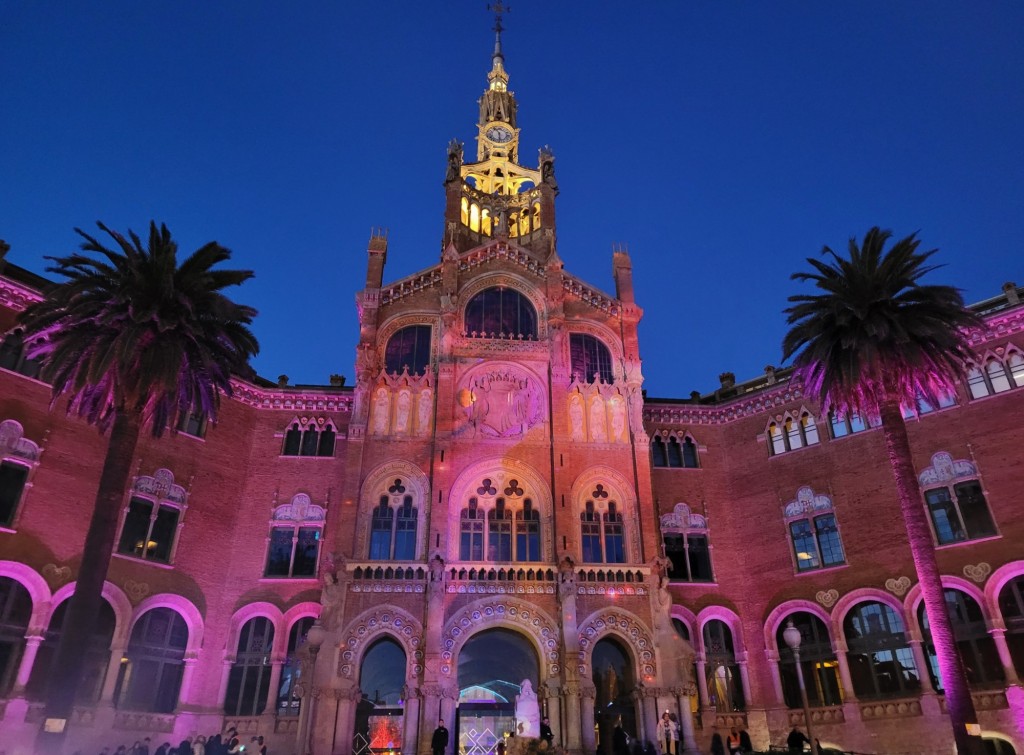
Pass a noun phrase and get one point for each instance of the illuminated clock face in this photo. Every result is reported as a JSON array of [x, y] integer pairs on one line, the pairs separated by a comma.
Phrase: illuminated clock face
[[499, 134]]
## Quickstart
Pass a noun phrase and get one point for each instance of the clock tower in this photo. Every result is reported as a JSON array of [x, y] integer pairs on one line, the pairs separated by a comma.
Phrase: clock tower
[[496, 197]]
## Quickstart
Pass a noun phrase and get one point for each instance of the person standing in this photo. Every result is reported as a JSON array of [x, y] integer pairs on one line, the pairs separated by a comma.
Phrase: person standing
[[545, 731], [796, 740], [668, 734], [439, 742], [733, 742], [620, 742], [745, 744], [717, 745]]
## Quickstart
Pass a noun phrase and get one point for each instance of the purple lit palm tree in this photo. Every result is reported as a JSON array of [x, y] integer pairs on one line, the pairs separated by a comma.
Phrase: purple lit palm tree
[[130, 338], [872, 341]]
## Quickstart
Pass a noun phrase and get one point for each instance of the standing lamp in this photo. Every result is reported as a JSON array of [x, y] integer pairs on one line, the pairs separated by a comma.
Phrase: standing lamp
[[314, 639], [792, 637]]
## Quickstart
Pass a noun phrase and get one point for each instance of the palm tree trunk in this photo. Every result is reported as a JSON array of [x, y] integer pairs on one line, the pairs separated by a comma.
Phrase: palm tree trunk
[[84, 605], [954, 680]]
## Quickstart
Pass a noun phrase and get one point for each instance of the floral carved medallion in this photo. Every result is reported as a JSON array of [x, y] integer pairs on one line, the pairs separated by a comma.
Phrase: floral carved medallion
[[898, 586], [827, 598]]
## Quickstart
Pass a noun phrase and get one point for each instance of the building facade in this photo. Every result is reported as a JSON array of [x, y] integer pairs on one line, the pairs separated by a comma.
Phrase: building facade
[[494, 510]]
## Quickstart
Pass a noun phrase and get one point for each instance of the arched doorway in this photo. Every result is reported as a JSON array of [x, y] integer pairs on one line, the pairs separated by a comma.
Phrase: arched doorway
[[492, 668], [378, 726], [615, 680]]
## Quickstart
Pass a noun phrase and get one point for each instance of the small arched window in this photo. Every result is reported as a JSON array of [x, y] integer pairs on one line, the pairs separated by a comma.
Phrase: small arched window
[[879, 655], [15, 614], [501, 312], [249, 679], [310, 437], [817, 659], [408, 348], [288, 701], [471, 533], [725, 687], [589, 358], [96, 654], [150, 675], [976, 647], [12, 355], [1011, 606]]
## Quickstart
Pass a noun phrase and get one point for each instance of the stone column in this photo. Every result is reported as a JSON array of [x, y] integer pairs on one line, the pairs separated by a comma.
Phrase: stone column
[[110, 680], [917, 648], [410, 719], [430, 706], [647, 701], [587, 694], [225, 675], [552, 709], [845, 678], [687, 734], [572, 718], [773, 669], [998, 634], [28, 659], [702, 684], [748, 693], [187, 677], [346, 701], [449, 697]]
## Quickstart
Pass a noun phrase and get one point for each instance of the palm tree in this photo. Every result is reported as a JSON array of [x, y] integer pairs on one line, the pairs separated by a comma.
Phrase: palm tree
[[131, 338], [875, 340]]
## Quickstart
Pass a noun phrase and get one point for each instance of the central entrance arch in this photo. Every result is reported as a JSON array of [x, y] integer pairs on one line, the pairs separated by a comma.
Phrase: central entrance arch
[[493, 665]]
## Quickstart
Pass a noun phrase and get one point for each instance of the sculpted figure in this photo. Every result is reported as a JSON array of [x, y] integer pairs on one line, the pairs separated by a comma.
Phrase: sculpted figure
[[424, 407], [597, 420], [576, 417], [527, 711], [403, 405], [618, 412], [380, 411]]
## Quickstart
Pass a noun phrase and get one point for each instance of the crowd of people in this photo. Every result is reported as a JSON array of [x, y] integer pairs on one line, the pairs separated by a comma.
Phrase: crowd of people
[[228, 743]]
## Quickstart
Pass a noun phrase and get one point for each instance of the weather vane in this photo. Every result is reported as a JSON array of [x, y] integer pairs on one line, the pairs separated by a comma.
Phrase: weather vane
[[498, 8]]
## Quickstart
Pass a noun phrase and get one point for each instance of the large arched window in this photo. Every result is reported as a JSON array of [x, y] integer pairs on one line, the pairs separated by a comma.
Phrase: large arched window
[[1011, 605], [393, 525], [408, 348], [725, 686], [150, 676], [97, 654], [501, 312], [881, 661], [249, 680], [818, 660], [287, 700], [500, 524], [15, 613], [590, 359], [977, 649]]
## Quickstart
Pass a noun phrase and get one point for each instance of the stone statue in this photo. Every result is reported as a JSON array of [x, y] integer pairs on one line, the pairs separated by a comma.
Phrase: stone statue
[[576, 417], [618, 412], [424, 409], [380, 411], [454, 172], [597, 420], [527, 711], [333, 583], [403, 405]]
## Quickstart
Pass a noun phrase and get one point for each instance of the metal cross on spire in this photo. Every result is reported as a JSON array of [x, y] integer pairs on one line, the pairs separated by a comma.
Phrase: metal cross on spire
[[498, 8]]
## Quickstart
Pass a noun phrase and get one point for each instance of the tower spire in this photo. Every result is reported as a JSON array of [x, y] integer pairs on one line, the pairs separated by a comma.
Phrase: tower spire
[[497, 79]]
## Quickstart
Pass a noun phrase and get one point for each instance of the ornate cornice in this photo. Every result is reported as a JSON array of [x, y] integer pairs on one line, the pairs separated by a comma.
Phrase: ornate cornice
[[17, 296], [276, 398]]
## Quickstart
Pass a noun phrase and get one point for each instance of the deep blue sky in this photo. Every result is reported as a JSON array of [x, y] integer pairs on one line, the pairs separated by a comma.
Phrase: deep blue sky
[[724, 142]]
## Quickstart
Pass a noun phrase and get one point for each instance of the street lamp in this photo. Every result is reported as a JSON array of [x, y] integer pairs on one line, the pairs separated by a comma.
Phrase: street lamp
[[314, 639], [792, 637]]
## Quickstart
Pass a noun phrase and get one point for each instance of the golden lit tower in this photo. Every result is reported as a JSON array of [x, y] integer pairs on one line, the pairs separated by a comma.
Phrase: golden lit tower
[[496, 197]]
